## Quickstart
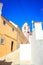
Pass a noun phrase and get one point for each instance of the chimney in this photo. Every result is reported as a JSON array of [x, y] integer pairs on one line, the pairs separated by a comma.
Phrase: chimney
[[1, 5]]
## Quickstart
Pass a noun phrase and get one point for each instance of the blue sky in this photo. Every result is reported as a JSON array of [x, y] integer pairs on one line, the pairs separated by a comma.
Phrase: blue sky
[[21, 11]]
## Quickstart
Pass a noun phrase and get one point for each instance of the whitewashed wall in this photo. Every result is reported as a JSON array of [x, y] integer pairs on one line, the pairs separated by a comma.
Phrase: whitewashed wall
[[38, 31], [37, 48], [25, 52]]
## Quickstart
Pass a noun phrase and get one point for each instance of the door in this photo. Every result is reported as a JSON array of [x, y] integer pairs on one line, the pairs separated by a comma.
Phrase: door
[[12, 43]]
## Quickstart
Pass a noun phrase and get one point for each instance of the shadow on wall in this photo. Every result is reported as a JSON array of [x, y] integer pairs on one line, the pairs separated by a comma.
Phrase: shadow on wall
[[5, 63]]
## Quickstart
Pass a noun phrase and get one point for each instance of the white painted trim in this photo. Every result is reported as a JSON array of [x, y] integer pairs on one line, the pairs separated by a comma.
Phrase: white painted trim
[[14, 24]]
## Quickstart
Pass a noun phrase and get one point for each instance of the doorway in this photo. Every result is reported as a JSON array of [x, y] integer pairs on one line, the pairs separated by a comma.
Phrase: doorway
[[12, 43]]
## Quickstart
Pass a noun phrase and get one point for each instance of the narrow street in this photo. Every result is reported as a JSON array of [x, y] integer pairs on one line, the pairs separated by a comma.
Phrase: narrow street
[[13, 58]]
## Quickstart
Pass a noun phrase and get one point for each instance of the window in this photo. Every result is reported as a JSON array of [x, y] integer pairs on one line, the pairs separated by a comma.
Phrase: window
[[4, 22], [12, 28], [24, 28], [1, 41], [27, 31]]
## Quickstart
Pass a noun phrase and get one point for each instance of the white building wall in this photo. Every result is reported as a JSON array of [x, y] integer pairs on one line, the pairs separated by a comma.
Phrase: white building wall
[[30, 39], [25, 52], [37, 45], [38, 31]]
